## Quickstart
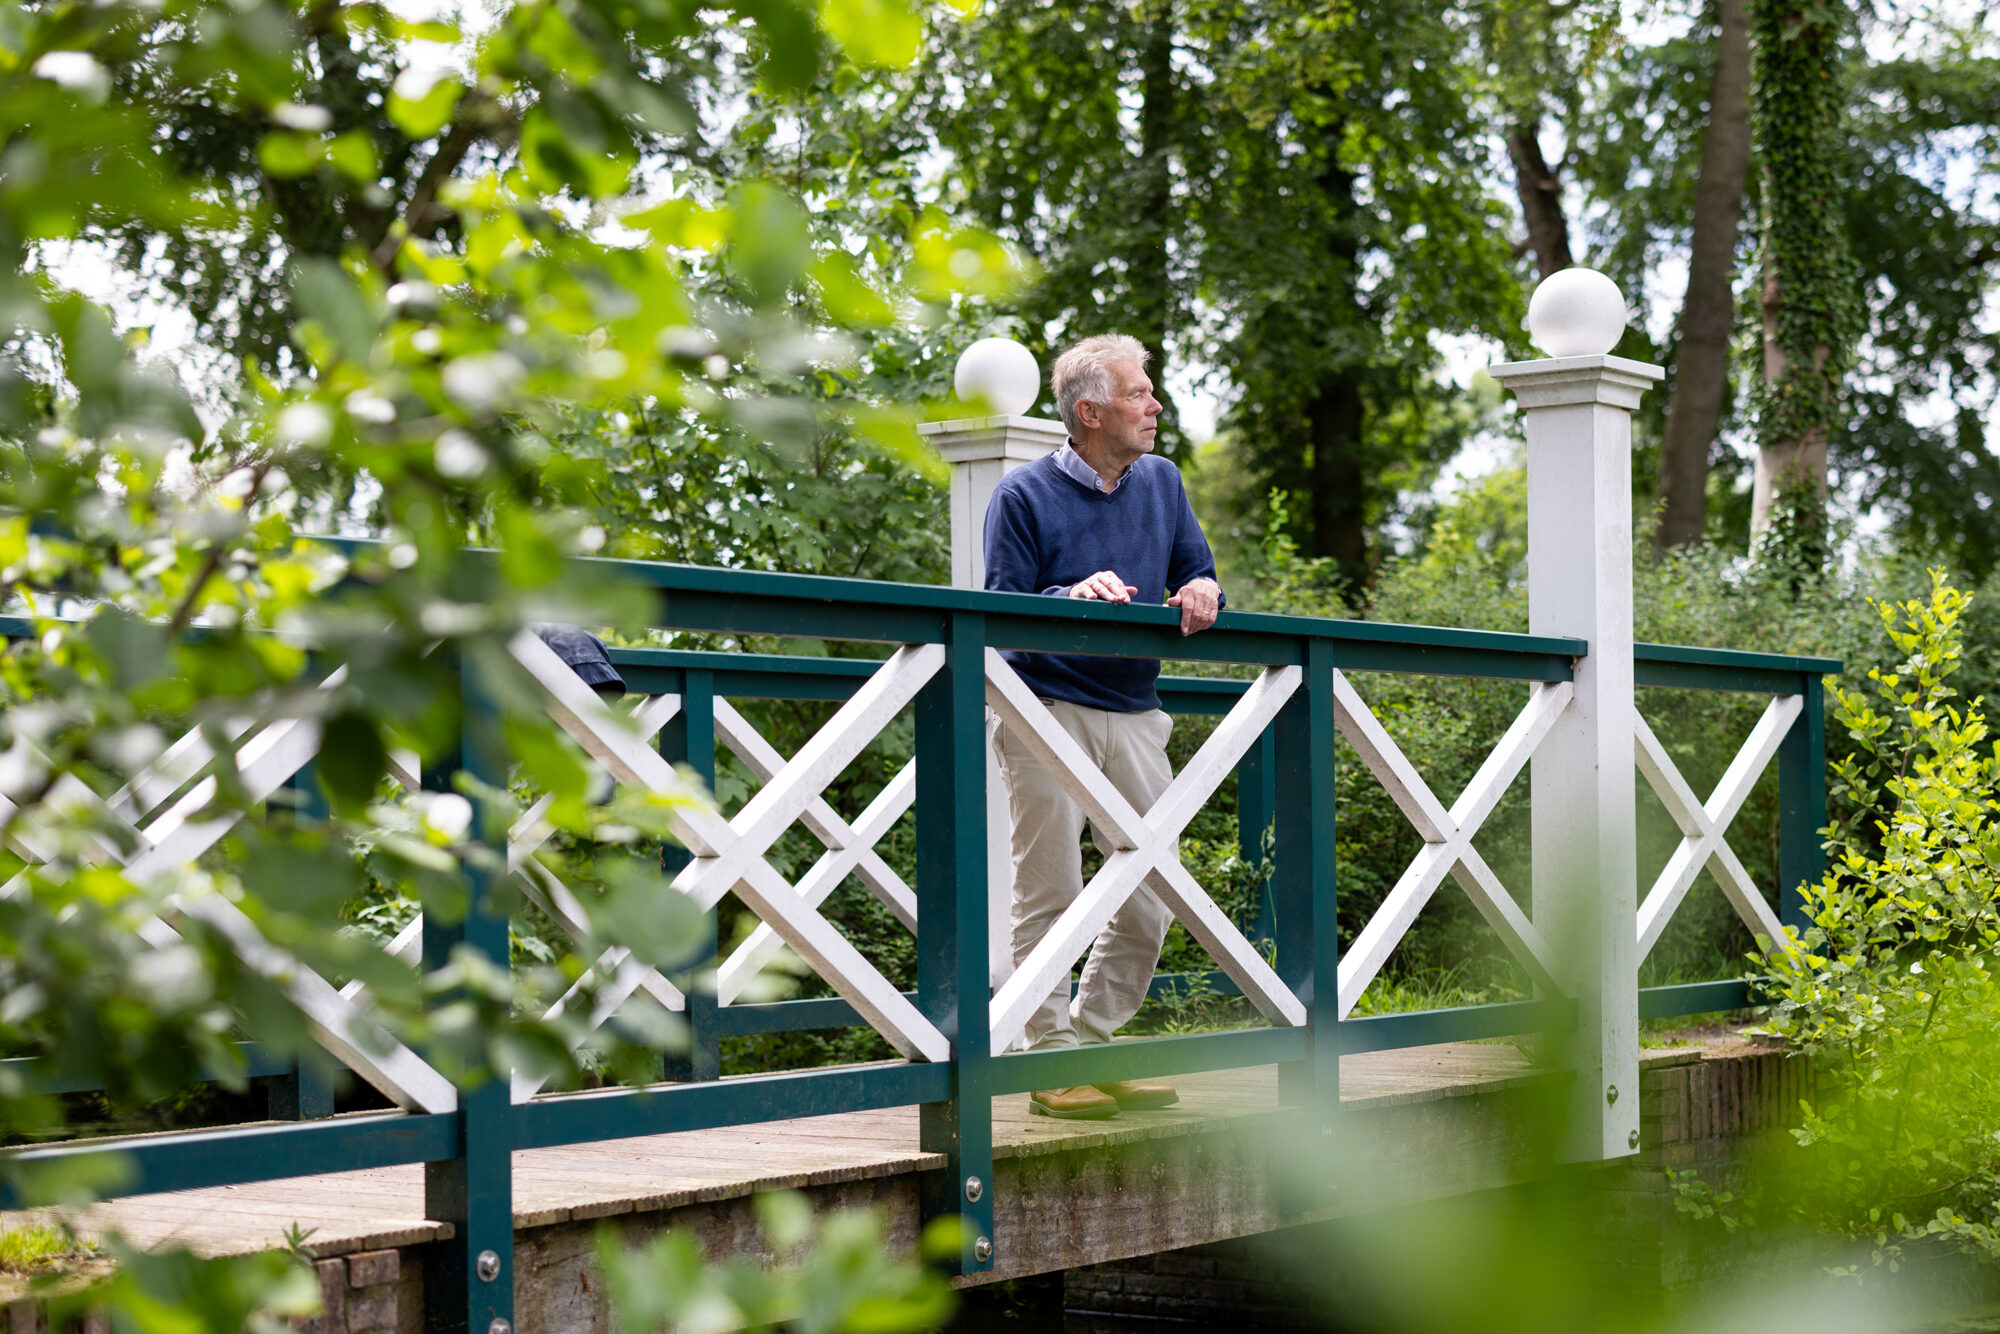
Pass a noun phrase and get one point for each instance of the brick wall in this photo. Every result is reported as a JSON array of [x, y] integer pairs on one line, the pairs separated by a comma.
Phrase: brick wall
[[358, 1295], [1703, 1109]]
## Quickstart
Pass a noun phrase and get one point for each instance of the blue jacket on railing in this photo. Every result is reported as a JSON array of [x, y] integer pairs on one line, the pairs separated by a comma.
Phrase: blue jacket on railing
[[1045, 531]]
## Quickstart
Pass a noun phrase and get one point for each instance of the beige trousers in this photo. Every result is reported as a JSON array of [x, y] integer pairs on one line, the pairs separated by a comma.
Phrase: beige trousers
[[1131, 749]]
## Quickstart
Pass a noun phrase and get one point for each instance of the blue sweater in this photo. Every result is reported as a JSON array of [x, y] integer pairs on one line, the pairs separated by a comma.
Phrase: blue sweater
[[1045, 531]]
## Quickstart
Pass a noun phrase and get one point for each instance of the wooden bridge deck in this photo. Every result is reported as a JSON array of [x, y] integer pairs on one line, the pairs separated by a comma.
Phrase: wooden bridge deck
[[382, 1208]]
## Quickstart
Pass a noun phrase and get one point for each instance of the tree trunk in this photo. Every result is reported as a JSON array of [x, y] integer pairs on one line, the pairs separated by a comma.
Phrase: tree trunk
[[1791, 469], [1338, 476], [1336, 415], [1541, 197], [1708, 314], [1798, 100], [1153, 307]]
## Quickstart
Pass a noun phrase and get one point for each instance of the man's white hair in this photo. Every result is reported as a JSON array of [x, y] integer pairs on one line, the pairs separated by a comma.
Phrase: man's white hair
[[1084, 371]]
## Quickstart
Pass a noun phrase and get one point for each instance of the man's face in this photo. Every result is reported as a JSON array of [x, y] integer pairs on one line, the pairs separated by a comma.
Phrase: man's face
[[1129, 420]]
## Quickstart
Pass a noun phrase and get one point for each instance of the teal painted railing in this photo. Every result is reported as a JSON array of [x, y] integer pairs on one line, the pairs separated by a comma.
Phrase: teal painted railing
[[1285, 781]]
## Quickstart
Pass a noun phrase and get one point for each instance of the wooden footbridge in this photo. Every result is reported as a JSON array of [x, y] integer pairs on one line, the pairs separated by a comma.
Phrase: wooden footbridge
[[479, 1202]]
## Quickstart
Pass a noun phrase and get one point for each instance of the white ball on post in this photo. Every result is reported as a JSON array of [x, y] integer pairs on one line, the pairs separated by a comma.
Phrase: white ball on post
[[1576, 313], [1002, 372]]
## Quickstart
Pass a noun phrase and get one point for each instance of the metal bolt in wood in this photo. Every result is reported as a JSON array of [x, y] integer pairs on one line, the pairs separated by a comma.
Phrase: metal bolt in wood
[[982, 1250], [974, 1188], [487, 1266]]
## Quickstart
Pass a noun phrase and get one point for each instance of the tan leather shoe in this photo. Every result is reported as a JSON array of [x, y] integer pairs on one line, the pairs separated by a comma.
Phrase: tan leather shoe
[[1081, 1103], [1133, 1096]]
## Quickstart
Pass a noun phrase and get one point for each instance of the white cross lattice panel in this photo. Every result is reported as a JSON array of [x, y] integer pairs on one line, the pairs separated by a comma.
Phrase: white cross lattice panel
[[1705, 826], [165, 819], [1447, 836], [1145, 849], [730, 855]]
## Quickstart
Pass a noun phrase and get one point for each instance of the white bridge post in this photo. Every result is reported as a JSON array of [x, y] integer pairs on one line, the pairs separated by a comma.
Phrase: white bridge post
[[980, 451], [1578, 407]]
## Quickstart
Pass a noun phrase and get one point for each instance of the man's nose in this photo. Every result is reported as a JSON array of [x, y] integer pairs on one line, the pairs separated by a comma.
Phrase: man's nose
[[1154, 407]]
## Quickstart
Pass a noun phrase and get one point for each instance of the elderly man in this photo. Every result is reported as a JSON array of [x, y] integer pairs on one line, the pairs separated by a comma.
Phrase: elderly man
[[1103, 520]]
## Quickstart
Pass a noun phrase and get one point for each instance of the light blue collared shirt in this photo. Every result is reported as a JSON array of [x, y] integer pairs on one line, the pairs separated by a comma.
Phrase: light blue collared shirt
[[1076, 469]]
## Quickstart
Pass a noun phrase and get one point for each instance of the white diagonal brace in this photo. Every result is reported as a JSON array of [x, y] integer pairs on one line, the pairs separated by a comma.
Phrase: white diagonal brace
[[1742, 893], [1214, 932], [1217, 758], [1147, 848], [826, 824], [1033, 727], [627, 976], [1385, 759], [1704, 826], [612, 742], [1546, 702], [180, 762], [266, 760], [1497, 906], [134, 807], [335, 1022], [175, 766], [406, 947], [1049, 963], [1376, 941], [1448, 837]]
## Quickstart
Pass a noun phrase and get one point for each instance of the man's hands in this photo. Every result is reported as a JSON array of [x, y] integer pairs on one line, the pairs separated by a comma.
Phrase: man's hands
[[1199, 600], [1104, 586]]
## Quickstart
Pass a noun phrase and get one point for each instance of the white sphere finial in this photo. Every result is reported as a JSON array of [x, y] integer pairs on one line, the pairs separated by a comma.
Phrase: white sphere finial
[[1000, 371], [1576, 313]]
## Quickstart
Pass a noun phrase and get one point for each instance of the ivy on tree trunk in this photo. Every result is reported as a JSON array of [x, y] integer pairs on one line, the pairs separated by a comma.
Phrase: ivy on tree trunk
[[1807, 289]]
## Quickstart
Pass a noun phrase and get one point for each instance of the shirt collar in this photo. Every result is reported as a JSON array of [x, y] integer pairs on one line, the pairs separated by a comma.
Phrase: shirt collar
[[1073, 467]]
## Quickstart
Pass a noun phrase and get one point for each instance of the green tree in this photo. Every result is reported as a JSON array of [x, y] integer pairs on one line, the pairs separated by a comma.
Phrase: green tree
[[1349, 221], [1914, 438], [1073, 131]]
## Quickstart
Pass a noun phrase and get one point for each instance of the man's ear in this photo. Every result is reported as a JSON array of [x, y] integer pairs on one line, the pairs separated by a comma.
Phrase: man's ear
[[1087, 413]]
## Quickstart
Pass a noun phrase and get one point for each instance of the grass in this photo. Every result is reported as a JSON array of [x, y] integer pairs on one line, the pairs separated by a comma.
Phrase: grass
[[1684, 1030], [39, 1247]]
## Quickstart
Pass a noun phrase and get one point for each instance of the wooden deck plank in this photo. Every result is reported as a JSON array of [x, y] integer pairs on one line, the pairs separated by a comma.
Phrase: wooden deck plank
[[577, 1183]]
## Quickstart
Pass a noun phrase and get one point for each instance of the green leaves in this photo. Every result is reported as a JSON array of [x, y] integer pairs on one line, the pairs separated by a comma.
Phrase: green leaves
[[832, 1278], [421, 105], [339, 321], [768, 249], [883, 33], [290, 153], [175, 1292], [569, 142]]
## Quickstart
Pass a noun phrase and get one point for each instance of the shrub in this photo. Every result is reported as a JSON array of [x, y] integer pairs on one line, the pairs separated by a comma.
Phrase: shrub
[[1891, 989]]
